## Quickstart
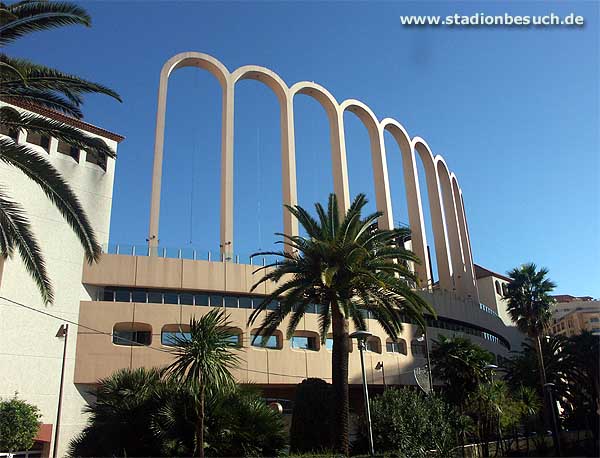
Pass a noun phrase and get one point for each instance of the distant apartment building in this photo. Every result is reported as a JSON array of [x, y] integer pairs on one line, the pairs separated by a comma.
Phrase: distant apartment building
[[572, 315]]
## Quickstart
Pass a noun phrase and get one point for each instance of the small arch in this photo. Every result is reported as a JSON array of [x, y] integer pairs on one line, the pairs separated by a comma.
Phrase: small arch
[[305, 340], [272, 342], [268, 77], [132, 334], [396, 346], [171, 333], [373, 344]]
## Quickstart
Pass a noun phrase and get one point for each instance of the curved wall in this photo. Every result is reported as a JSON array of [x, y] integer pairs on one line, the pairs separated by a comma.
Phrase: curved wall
[[451, 238]]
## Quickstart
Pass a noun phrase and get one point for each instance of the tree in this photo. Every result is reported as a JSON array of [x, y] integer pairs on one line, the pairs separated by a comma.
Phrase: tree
[[460, 365], [312, 421], [24, 82], [19, 424], [529, 303], [408, 423], [203, 362], [348, 267]]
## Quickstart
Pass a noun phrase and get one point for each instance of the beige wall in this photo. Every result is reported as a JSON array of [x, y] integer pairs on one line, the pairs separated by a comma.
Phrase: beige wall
[[573, 318]]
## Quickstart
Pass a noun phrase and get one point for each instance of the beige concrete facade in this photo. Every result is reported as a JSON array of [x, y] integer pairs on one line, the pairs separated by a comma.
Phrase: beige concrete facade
[[451, 238], [98, 356], [574, 317]]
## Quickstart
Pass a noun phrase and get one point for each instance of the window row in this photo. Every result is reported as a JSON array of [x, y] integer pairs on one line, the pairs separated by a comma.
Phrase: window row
[[63, 147], [501, 288], [115, 294], [140, 334]]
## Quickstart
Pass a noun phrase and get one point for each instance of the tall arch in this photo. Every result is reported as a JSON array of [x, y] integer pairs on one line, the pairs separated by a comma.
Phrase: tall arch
[[380, 172], [413, 197], [339, 162], [472, 289], [220, 72], [437, 217], [451, 220], [288, 148]]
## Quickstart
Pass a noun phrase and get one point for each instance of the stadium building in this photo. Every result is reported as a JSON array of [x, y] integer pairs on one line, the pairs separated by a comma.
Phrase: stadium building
[[128, 306]]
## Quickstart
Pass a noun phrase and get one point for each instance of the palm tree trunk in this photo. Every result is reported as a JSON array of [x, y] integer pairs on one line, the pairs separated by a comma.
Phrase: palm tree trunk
[[200, 427], [339, 372]]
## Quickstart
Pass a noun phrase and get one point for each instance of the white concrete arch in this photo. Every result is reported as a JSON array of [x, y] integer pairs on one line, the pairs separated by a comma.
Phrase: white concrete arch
[[220, 72], [437, 217], [339, 164], [288, 144], [380, 172], [452, 229], [465, 239], [413, 197]]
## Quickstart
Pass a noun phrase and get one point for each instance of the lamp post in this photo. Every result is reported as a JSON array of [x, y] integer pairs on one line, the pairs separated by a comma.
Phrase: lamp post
[[555, 429], [361, 337], [380, 367], [421, 339], [63, 332], [493, 368]]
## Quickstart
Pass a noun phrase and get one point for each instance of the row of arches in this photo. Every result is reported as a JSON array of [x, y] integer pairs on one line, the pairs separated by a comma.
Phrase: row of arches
[[450, 231]]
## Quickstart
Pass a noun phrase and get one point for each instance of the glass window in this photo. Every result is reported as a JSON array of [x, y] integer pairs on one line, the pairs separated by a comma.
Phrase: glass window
[[186, 299], [235, 340], [132, 338], [201, 299], [170, 298], [231, 301], [39, 139], [138, 295], [498, 291], [273, 305], [304, 343], [216, 300], [169, 338], [265, 342], [12, 133], [245, 302], [108, 295], [94, 157], [329, 343], [122, 295], [372, 344], [417, 348], [396, 347], [68, 150], [311, 308], [155, 297]]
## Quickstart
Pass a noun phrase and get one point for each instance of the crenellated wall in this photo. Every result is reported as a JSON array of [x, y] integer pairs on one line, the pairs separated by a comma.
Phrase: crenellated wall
[[449, 224]]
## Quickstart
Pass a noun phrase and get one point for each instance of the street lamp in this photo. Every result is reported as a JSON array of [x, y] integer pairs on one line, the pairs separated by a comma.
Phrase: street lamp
[[63, 332], [361, 337], [555, 432], [492, 368], [421, 339], [379, 367]]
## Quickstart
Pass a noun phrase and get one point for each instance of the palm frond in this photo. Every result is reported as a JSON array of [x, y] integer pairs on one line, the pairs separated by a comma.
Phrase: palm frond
[[56, 188], [17, 234]]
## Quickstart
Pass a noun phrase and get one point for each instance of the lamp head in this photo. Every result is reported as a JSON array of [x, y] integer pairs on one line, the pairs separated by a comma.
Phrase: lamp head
[[360, 335]]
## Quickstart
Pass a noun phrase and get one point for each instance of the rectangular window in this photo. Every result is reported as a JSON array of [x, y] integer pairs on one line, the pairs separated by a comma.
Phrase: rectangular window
[[12, 133], [265, 342], [201, 299], [304, 343], [231, 301], [417, 348], [138, 295], [396, 347], [245, 302], [329, 343], [170, 298], [169, 338], [155, 297], [235, 340], [68, 150], [273, 305], [122, 295], [108, 295], [94, 157], [39, 139], [186, 299], [132, 338], [372, 345], [216, 300]]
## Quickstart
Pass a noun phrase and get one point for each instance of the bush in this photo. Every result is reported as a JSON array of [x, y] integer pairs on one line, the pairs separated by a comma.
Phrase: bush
[[19, 424], [311, 429], [408, 423]]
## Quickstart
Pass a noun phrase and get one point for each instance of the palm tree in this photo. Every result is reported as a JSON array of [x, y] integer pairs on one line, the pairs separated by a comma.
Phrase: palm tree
[[529, 305], [347, 267], [30, 85], [203, 360]]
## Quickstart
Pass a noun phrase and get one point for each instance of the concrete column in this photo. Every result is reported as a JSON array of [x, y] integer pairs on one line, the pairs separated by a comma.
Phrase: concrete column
[[413, 199], [226, 229], [339, 163], [451, 220], [288, 166], [437, 218], [471, 281]]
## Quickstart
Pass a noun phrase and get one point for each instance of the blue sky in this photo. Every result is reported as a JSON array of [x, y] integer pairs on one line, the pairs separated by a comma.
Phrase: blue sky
[[515, 113]]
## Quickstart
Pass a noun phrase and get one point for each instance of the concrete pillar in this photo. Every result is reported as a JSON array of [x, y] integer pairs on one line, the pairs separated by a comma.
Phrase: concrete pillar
[[413, 199], [288, 167], [437, 218]]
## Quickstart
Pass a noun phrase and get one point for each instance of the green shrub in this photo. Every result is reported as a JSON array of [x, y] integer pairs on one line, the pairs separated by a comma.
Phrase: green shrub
[[408, 423], [19, 424], [311, 429]]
